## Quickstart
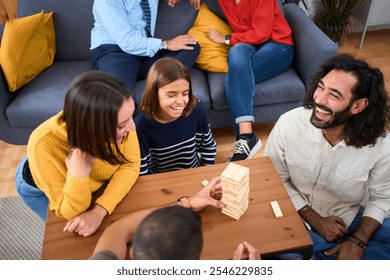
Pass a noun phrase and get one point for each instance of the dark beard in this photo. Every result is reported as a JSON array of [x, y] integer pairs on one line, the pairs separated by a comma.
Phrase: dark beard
[[338, 118]]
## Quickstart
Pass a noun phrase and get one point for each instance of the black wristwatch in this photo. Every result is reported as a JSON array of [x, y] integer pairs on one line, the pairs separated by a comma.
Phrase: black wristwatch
[[227, 39], [164, 45]]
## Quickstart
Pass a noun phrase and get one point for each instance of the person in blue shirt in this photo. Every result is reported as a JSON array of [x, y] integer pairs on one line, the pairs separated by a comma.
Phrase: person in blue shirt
[[122, 42], [173, 128]]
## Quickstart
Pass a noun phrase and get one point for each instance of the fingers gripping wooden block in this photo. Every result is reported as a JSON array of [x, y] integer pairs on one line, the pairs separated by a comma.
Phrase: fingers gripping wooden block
[[205, 183]]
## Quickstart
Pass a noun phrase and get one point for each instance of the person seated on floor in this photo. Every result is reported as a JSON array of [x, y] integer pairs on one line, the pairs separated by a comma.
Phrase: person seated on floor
[[173, 127], [172, 232], [90, 144], [333, 157]]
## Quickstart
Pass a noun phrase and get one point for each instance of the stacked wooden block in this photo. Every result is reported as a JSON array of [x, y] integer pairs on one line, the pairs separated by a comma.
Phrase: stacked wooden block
[[235, 190]]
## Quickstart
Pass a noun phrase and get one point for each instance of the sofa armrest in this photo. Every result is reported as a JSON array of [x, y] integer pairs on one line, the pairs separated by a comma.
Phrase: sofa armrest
[[5, 95], [6, 98], [312, 46]]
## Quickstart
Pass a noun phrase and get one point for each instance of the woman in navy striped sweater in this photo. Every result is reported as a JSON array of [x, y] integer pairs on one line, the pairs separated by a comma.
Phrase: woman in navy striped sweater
[[173, 128]]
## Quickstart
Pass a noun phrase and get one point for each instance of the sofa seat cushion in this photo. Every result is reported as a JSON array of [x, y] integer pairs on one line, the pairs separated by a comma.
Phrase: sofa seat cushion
[[284, 88], [199, 88], [44, 96]]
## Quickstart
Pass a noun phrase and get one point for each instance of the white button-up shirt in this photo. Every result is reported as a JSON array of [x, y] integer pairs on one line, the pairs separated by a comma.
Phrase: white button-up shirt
[[333, 180]]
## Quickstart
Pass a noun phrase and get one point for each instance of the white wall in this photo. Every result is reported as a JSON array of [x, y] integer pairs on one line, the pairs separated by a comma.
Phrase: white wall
[[312, 5], [356, 26]]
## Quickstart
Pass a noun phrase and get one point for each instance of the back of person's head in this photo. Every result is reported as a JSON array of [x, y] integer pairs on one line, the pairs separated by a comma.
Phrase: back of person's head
[[91, 108], [163, 72], [170, 233], [367, 126]]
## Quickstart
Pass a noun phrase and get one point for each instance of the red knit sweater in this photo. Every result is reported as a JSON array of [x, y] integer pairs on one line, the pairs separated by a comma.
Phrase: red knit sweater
[[256, 21]]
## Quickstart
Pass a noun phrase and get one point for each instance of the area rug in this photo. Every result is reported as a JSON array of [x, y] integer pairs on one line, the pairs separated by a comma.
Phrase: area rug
[[21, 231]]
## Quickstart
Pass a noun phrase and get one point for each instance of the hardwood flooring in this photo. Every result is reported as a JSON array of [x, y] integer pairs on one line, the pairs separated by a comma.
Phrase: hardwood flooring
[[375, 50]]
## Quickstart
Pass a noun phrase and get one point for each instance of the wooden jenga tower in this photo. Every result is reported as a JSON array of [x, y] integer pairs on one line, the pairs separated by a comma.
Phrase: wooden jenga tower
[[235, 190]]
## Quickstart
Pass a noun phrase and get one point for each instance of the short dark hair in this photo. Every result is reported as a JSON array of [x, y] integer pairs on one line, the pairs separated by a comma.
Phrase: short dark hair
[[164, 71], [367, 126], [170, 233], [91, 108]]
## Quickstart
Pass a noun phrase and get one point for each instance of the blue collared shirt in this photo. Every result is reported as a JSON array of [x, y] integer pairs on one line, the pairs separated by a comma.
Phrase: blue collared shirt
[[120, 22]]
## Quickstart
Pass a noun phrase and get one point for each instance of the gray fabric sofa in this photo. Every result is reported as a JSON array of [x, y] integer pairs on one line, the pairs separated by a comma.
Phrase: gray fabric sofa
[[24, 110]]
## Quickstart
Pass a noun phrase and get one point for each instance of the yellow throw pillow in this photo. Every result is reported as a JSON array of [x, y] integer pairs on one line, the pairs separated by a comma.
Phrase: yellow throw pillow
[[27, 48], [212, 56]]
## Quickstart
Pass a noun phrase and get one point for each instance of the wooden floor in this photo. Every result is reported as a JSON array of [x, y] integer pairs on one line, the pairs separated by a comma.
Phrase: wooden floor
[[375, 50]]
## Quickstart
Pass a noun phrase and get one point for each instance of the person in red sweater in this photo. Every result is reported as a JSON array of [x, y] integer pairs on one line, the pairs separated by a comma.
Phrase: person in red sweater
[[262, 48]]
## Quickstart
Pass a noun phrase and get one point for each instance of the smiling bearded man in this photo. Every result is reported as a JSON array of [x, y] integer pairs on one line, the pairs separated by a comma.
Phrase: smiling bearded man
[[333, 157]]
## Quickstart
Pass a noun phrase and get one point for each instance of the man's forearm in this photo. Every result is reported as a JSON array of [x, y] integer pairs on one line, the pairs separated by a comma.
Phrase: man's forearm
[[366, 229], [309, 215]]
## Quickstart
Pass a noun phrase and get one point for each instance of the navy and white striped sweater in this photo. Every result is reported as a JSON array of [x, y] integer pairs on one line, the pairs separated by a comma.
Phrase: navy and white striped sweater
[[184, 143]]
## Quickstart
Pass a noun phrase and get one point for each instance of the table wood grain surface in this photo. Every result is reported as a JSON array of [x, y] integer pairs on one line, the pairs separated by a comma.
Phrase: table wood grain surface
[[221, 233]]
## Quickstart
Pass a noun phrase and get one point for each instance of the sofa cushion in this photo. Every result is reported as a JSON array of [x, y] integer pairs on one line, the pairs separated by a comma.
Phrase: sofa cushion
[[215, 8], [44, 97], [70, 16], [284, 88], [27, 48], [212, 56], [174, 21]]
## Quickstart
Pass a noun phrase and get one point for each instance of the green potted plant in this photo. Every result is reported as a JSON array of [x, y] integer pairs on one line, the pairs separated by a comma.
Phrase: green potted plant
[[334, 17]]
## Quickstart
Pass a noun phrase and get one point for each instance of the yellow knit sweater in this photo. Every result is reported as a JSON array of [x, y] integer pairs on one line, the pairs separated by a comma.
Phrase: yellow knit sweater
[[70, 196]]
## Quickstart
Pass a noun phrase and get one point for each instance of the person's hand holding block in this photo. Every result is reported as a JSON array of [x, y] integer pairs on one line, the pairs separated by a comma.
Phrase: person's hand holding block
[[204, 183]]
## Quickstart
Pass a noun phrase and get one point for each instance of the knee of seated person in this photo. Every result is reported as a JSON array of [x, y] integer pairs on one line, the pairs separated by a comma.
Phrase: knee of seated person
[[238, 49]]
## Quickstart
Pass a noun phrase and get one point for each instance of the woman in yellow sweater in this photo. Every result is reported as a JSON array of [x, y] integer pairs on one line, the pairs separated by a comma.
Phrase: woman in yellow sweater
[[74, 153]]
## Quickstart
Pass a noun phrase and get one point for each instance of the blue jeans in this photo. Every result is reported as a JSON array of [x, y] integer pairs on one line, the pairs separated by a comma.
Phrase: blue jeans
[[32, 196], [131, 68], [378, 248], [249, 65]]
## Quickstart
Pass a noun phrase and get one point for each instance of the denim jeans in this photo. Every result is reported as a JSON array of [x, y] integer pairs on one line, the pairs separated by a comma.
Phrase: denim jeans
[[131, 68], [249, 65], [378, 248], [32, 196]]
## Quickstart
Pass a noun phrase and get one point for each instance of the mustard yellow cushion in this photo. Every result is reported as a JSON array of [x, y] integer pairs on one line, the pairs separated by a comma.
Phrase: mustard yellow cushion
[[27, 48], [212, 56]]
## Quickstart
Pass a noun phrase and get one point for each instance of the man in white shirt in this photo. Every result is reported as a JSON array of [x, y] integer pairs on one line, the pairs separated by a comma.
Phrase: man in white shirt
[[333, 157], [123, 43]]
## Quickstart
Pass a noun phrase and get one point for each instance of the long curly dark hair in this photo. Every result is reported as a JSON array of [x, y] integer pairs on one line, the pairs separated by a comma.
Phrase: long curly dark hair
[[367, 126]]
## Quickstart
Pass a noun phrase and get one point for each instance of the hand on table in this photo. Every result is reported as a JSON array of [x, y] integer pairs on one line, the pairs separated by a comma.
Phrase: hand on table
[[88, 222], [245, 251], [208, 195]]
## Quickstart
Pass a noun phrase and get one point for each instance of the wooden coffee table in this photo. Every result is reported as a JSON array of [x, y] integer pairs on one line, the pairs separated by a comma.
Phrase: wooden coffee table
[[221, 233]]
